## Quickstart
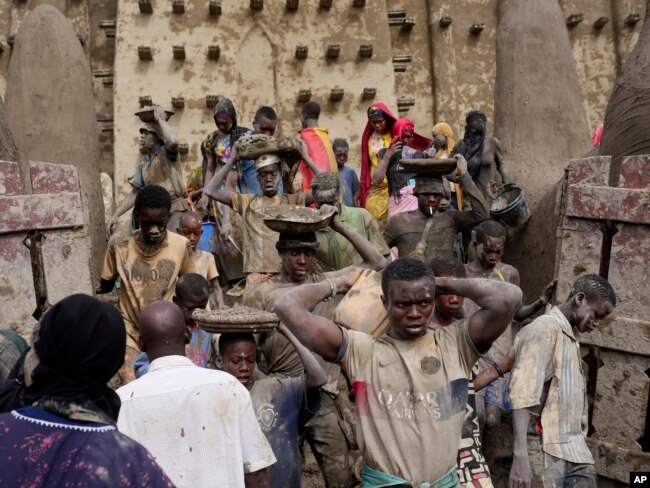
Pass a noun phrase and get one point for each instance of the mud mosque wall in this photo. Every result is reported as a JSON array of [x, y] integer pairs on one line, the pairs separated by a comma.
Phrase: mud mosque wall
[[431, 60]]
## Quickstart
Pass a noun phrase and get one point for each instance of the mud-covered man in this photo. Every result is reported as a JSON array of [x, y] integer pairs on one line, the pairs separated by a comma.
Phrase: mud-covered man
[[431, 229], [410, 383], [483, 153], [493, 399], [547, 391], [160, 165], [148, 262], [334, 250], [326, 433]]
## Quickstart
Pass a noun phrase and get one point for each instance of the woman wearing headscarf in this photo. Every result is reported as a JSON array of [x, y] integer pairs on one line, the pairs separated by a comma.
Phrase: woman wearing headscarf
[[60, 429], [406, 144], [441, 147], [376, 136], [216, 149]]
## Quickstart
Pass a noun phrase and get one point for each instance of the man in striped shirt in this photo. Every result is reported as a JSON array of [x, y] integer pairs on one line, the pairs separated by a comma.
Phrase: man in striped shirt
[[547, 391]]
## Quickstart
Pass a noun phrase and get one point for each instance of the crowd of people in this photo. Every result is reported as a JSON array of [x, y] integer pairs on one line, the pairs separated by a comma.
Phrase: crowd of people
[[402, 336]]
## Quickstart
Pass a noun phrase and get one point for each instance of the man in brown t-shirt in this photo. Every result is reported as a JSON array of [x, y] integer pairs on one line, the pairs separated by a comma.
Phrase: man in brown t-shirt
[[411, 383], [148, 262], [260, 257], [431, 230]]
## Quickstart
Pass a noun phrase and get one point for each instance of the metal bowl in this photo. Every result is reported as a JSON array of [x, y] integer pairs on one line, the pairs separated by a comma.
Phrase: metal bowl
[[295, 219], [146, 114], [429, 166]]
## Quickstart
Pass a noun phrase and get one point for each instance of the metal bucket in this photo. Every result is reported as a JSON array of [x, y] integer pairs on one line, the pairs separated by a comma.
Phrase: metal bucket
[[510, 207], [206, 243]]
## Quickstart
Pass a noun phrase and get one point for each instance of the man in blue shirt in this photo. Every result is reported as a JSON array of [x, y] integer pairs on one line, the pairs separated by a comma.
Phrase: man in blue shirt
[[264, 122]]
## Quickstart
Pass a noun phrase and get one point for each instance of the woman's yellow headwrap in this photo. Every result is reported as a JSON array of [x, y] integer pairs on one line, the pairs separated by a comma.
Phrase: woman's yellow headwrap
[[444, 129]]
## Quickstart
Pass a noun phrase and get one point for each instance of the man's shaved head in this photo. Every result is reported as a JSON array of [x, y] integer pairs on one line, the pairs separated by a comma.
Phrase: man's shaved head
[[162, 330], [189, 220]]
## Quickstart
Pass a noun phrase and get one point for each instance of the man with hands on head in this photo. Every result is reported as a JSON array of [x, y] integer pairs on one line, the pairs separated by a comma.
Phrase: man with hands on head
[[411, 383]]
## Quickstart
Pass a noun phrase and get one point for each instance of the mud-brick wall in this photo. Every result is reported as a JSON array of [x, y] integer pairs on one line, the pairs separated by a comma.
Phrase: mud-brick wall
[[416, 81], [257, 66], [464, 64], [599, 50]]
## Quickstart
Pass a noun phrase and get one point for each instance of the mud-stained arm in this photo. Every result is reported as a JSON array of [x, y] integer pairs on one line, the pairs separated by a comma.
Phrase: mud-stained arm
[[382, 166], [372, 258], [520, 473], [500, 164], [497, 301], [295, 308], [527, 311], [213, 188], [489, 374], [315, 376], [257, 479], [126, 205], [469, 218], [171, 141]]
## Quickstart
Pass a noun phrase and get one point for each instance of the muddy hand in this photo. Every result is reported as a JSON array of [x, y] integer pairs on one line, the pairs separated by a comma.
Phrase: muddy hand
[[345, 282], [461, 164], [547, 294], [159, 113]]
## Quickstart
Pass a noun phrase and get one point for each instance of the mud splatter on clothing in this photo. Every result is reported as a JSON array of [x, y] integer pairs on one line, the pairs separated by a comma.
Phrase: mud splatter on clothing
[[39, 449]]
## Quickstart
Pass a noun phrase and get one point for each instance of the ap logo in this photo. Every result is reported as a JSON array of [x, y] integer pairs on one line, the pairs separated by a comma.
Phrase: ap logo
[[640, 479]]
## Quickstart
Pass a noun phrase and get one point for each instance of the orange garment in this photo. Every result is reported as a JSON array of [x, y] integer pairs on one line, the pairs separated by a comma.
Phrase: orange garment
[[320, 151]]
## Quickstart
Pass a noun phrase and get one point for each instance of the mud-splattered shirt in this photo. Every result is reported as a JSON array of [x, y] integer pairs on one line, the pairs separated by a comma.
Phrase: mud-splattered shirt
[[410, 398], [547, 350], [145, 278], [283, 406], [206, 266], [41, 449], [198, 423], [260, 254]]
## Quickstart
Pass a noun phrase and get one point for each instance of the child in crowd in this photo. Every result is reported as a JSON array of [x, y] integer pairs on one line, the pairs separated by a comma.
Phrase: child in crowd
[[347, 176], [148, 262], [190, 227], [192, 292], [283, 405]]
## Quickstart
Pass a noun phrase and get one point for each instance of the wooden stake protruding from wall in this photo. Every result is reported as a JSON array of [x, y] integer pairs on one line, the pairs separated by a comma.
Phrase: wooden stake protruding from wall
[[179, 52], [304, 95], [573, 20], [144, 53], [214, 52], [365, 50], [369, 93], [336, 95], [145, 6], [178, 6], [214, 7]]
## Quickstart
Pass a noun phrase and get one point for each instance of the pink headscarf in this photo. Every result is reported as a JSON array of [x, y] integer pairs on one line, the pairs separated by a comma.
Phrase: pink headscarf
[[598, 135]]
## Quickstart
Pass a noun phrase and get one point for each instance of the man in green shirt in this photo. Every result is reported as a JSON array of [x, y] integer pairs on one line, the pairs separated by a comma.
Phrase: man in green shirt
[[335, 251]]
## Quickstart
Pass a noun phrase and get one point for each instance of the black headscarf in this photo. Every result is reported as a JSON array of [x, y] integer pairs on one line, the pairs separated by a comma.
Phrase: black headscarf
[[80, 346], [226, 106], [473, 145]]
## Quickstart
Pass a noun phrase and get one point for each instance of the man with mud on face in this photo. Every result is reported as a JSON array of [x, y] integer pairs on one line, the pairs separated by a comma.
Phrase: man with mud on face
[[548, 391], [430, 230], [148, 262], [483, 153]]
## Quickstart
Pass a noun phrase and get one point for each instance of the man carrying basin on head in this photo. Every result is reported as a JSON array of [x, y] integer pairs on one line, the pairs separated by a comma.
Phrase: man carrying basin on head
[[432, 227]]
